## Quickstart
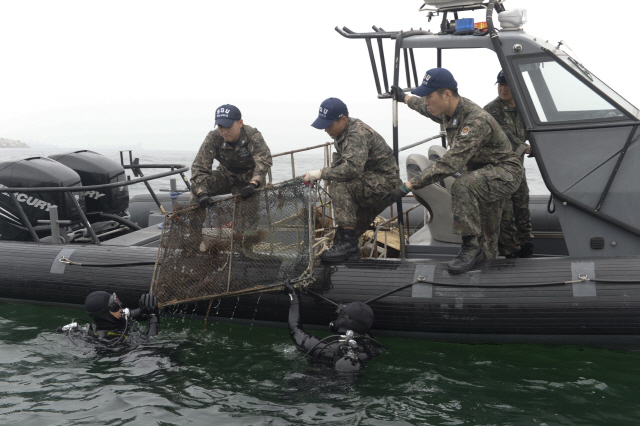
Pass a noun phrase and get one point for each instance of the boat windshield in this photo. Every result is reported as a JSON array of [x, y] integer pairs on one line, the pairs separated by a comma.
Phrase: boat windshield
[[556, 95]]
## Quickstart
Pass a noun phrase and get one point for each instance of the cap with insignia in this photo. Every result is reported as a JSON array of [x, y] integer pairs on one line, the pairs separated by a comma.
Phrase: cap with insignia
[[226, 115], [434, 79]]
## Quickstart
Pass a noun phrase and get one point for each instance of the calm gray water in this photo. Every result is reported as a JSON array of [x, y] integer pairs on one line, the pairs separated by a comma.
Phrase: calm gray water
[[231, 374], [239, 375]]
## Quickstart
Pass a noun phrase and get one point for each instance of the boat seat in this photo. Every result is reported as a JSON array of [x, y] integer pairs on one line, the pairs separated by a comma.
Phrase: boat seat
[[435, 197]]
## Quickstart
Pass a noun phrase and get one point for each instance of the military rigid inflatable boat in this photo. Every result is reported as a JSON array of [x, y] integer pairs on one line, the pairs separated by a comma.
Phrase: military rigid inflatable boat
[[581, 287]]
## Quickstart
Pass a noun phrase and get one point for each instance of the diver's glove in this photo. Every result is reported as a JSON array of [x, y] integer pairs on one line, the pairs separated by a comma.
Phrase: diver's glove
[[397, 194], [398, 93], [205, 200], [248, 190], [288, 288], [148, 304]]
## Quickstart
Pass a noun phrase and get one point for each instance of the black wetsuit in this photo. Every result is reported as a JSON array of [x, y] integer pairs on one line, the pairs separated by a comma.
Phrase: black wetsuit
[[331, 351], [108, 326]]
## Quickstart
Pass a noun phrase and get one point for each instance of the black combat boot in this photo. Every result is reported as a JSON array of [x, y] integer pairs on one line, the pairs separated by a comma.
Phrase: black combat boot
[[526, 250], [345, 248], [469, 255]]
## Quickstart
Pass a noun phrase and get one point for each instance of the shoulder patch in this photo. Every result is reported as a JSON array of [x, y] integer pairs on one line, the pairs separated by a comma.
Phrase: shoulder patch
[[465, 131]]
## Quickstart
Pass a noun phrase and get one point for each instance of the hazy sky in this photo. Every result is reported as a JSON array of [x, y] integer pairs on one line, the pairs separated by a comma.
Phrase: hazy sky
[[122, 74]]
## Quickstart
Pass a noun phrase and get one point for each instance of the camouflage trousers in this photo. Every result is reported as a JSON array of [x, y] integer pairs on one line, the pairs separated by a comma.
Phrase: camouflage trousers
[[477, 199], [357, 202], [515, 228]]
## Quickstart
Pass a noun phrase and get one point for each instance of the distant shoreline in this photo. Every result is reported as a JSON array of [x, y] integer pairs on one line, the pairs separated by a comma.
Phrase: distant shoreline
[[8, 143]]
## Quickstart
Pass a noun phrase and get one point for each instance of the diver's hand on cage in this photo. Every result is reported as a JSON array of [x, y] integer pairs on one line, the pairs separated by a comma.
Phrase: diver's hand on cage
[[205, 200], [312, 176], [288, 288], [148, 304], [398, 93], [247, 191], [397, 194]]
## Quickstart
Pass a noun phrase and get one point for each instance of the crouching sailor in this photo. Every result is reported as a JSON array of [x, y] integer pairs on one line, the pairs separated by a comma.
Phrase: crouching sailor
[[478, 147], [112, 319], [243, 155], [362, 172], [351, 346]]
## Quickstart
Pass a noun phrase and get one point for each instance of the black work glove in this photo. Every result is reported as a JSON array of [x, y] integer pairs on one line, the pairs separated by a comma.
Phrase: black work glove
[[398, 93], [205, 200], [148, 304], [248, 190], [397, 194], [288, 288]]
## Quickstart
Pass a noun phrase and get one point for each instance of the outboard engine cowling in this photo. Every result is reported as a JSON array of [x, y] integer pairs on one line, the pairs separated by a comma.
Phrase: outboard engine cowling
[[30, 173], [96, 169]]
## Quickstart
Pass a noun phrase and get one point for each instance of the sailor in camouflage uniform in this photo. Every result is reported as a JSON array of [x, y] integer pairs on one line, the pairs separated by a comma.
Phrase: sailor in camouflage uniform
[[363, 170], [478, 148], [243, 155], [515, 230]]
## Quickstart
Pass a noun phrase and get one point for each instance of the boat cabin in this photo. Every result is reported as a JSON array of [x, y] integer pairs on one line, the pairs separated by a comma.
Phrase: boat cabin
[[583, 133]]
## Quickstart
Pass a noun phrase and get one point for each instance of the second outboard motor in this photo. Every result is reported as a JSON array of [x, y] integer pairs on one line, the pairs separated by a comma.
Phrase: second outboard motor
[[96, 169], [30, 173]]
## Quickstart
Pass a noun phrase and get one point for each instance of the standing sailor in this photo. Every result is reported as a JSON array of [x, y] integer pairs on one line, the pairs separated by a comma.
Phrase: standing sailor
[[479, 149], [363, 170], [515, 230], [243, 155]]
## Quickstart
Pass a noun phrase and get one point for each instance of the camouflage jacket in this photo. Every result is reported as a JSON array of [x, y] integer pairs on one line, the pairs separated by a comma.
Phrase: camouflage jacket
[[249, 160], [475, 140], [360, 149], [509, 119]]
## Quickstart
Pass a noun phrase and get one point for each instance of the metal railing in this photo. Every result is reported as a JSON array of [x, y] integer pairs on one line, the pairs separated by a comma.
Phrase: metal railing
[[326, 210], [68, 190]]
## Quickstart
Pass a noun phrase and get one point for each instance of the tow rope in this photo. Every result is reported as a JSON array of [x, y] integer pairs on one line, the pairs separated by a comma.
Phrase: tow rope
[[104, 265], [423, 280]]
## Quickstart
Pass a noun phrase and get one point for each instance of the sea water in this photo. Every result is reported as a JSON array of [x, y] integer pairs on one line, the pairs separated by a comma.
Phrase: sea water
[[230, 374]]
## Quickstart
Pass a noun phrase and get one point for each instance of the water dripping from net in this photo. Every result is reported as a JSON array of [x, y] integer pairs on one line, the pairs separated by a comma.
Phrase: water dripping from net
[[206, 317], [255, 312], [234, 309]]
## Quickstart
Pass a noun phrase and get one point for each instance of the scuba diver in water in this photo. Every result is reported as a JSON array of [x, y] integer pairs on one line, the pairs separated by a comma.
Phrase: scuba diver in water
[[112, 319], [349, 348]]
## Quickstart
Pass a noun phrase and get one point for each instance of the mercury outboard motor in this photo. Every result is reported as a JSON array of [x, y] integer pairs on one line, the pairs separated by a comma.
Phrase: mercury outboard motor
[[96, 169], [30, 173], [106, 208]]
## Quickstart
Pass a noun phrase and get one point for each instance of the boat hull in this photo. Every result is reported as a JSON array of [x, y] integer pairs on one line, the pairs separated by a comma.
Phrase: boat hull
[[503, 301]]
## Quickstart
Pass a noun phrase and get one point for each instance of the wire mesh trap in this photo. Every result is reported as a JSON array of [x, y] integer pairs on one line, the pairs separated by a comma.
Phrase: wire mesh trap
[[235, 246]]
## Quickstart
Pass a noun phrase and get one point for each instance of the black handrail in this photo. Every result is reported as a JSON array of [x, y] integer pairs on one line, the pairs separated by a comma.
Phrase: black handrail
[[153, 166]]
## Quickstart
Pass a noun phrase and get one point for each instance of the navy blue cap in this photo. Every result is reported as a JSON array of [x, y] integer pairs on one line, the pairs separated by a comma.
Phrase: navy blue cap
[[226, 115], [501, 78], [330, 110], [434, 79]]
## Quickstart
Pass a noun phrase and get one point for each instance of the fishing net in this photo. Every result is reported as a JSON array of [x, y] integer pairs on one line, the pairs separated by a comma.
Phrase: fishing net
[[235, 246]]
